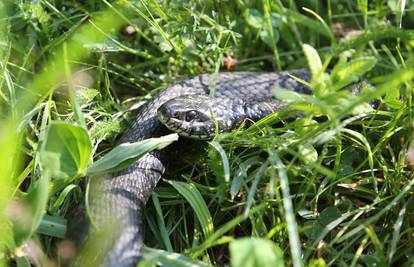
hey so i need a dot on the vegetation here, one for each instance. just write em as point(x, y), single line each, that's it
point(332, 192)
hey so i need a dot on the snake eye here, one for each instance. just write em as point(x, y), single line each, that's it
point(176, 115)
point(191, 115)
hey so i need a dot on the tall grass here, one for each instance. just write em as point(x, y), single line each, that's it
point(305, 191)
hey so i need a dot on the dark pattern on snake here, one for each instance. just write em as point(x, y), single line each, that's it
point(123, 195)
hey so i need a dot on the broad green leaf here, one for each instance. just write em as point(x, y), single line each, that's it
point(257, 21)
point(392, 98)
point(345, 74)
point(314, 61)
point(66, 151)
point(86, 95)
point(276, 19)
point(193, 196)
point(254, 18)
point(312, 229)
point(127, 153)
point(255, 252)
point(309, 153)
point(267, 38)
point(362, 109)
point(329, 215)
point(317, 263)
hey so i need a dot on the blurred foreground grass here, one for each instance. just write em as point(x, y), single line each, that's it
point(343, 186)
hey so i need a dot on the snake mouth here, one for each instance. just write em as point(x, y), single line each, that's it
point(183, 128)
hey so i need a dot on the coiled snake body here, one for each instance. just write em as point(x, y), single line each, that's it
point(122, 195)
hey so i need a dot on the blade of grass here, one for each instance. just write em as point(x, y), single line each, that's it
point(294, 241)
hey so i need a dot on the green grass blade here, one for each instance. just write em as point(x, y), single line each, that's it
point(193, 196)
point(224, 160)
point(159, 257)
point(294, 240)
point(52, 226)
point(160, 219)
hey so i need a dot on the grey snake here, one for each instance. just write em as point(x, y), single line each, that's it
point(236, 97)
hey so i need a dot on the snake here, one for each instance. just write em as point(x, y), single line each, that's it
point(199, 108)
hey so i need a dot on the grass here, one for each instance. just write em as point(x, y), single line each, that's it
point(329, 193)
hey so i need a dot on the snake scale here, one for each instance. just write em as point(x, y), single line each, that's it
point(123, 195)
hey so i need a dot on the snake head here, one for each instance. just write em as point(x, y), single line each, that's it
point(192, 116)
